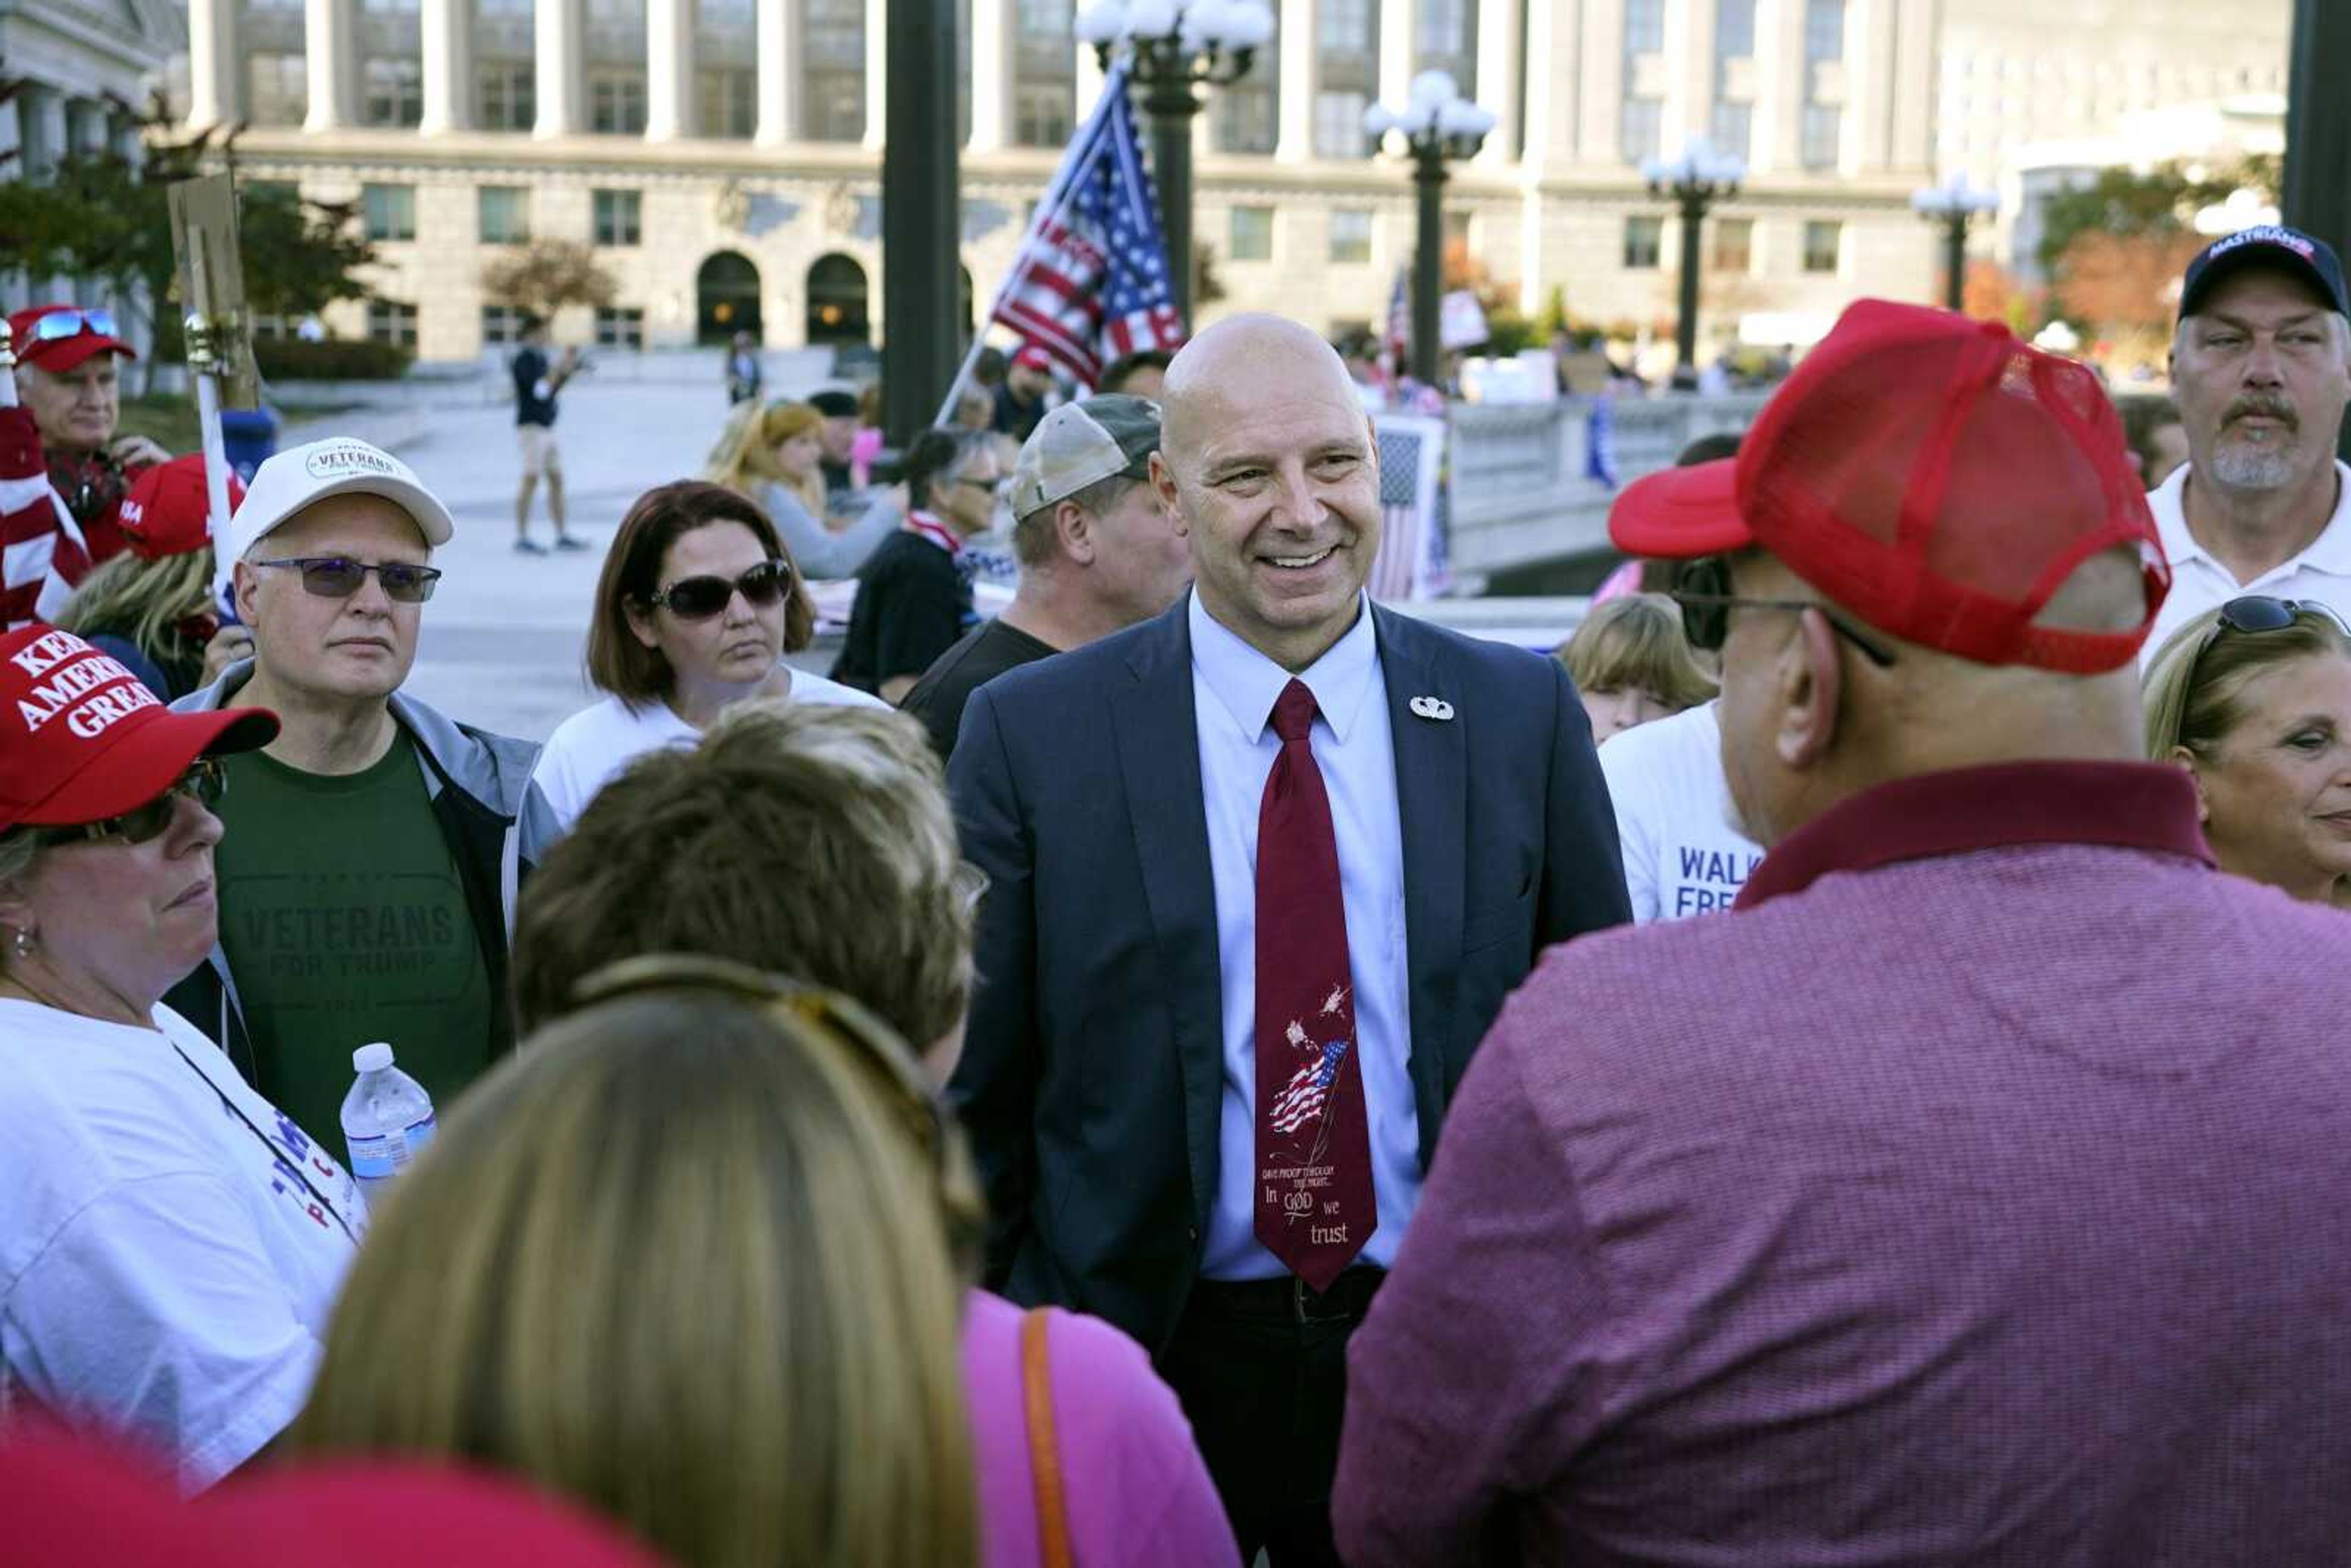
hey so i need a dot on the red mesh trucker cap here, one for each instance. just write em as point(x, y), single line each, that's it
point(168, 512)
point(1934, 475)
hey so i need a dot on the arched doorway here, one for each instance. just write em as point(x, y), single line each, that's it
point(726, 298)
point(836, 301)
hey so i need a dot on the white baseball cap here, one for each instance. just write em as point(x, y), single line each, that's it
point(338, 465)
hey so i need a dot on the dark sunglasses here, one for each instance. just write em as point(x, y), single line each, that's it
point(700, 598)
point(339, 577)
point(2259, 612)
point(1702, 589)
point(59, 324)
point(990, 485)
point(204, 782)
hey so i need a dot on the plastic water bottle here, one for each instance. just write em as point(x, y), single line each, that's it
point(387, 1119)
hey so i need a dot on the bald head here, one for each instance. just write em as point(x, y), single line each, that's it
point(1215, 375)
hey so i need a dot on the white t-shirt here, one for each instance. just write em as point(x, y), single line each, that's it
point(169, 1244)
point(2199, 582)
point(1682, 856)
point(596, 742)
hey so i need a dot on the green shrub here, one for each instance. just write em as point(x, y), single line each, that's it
point(335, 359)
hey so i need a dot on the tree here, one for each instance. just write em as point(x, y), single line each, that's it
point(547, 275)
point(1992, 293)
point(2114, 248)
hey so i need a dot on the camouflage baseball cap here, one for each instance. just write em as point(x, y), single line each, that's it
point(1081, 443)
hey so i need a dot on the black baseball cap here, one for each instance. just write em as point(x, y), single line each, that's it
point(2264, 245)
point(833, 403)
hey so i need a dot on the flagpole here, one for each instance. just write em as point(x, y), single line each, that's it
point(1057, 197)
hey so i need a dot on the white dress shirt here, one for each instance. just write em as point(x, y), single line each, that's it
point(1233, 691)
point(2199, 582)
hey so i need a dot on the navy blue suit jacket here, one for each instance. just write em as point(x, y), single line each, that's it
point(1091, 1072)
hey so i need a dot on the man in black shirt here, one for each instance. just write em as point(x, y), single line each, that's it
point(913, 593)
point(838, 434)
point(1098, 553)
point(1020, 401)
point(536, 382)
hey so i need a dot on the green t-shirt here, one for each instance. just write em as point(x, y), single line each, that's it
point(345, 921)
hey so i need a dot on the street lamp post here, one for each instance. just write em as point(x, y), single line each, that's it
point(1438, 124)
point(1173, 48)
point(1955, 203)
point(1696, 180)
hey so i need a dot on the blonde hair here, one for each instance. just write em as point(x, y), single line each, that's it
point(745, 456)
point(145, 601)
point(2194, 689)
point(1636, 643)
point(676, 1260)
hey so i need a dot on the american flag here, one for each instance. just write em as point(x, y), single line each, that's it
point(1398, 341)
point(1300, 1100)
point(1600, 464)
point(41, 552)
point(1090, 281)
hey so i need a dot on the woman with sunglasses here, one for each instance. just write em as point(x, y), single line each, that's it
point(169, 1242)
point(696, 606)
point(2255, 700)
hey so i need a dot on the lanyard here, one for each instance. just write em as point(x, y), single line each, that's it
point(931, 528)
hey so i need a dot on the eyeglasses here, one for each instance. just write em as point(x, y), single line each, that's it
point(339, 577)
point(204, 783)
point(700, 598)
point(990, 485)
point(1702, 589)
point(59, 324)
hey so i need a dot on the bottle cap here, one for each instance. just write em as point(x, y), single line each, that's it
point(372, 1058)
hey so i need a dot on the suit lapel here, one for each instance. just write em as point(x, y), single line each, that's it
point(1432, 807)
point(1159, 758)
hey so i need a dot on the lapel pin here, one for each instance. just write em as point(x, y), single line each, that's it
point(1432, 707)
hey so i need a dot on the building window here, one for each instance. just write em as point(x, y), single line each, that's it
point(1351, 235)
point(1734, 127)
point(504, 214)
point(1044, 74)
point(832, 88)
point(1822, 242)
point(276, 88)
point(1823, 30)
point(616, 102)
point(502, 326)
point(1734, 245)
point(389, 211)
point(395, 93)
point(619, 326)
point(1734, 29)
point(1339, 125)
point(618, 215)
point(1446, 38)
point(1347, 26)
point(1043, 113)
point(728, 99)
point(1252, 234)
point(389, 321)
point(1645, 239)
point(1643, 129)
point(1645, 26)
point(506, 95)
point(1823, 134)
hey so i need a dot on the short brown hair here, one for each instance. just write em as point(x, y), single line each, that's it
point(809, 840)
point(1636, 643)
point(617, 662)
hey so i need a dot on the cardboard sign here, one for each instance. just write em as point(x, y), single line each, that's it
point(212, 278)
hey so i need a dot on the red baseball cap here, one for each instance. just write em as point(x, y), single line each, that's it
point(82, 738)
point(64, 353)
point(167, 512)
point(1936, 477)
point(1032, 358)
point(72, 1503)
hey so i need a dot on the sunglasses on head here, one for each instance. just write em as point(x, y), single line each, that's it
point(700, 598)
point(59, 324)
point(204, 782)
point(339, 577)
point(2259, 612)
point(1702, 589)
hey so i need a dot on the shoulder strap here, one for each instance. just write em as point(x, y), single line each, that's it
point(1044, 1450)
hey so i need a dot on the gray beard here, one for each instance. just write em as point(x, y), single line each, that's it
point(2243, 468)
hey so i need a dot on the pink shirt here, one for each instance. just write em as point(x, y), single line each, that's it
point(1138, 1494)
point(1973, 1193)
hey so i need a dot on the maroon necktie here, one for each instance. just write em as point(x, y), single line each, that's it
point(1314, 1205)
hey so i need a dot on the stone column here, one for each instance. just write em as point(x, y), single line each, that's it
point(558, 36)
point(1301, 81)
point(1689, 72)
point(1600, 113)
point(777, 48)
point(1554, 62)
point(1498, 77)
point(1398, 51)
point(669, 69)
point(1782, 85)
point(1089, 81)
point(991, 72)
point(213, 96)
point(41, 126)
point(328, 41)
point(877, 77)
point(1912, 139)
point(446, 31)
